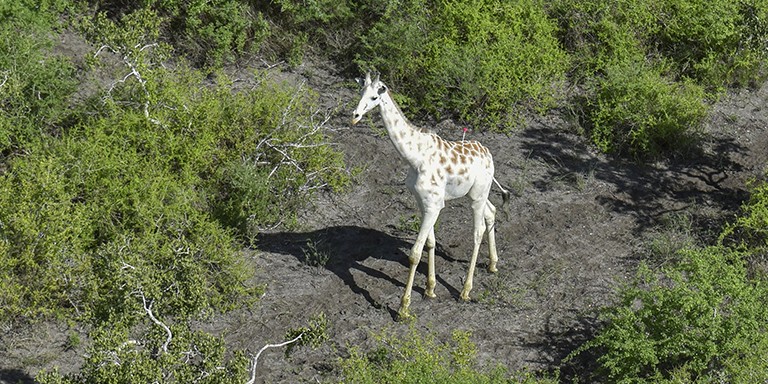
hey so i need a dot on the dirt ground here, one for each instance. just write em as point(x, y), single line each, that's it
point(578, 225)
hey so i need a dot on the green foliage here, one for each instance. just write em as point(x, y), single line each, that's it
point(648, 65)
point(706, 40)
point(34, 83)
point(472, 58)
point(214, 32)
point(637, 110)
point(191, 356)
point(599, 34)
point(751, 228)
point(313, 13)
point(419, 358)
point(701, 319)
point(314, 334)
point(140, 196)
point(208, 33)
point(90, 219)
point(716, 43)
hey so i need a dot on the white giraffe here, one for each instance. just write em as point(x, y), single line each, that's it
point(439, 170)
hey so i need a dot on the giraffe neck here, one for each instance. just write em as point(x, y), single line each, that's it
point(408, 140)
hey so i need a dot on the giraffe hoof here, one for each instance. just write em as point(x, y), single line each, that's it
point(430, 295)
point(492, 269)
point(464, 297)
point(404, 316)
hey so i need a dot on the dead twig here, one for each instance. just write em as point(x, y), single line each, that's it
point(264, 348)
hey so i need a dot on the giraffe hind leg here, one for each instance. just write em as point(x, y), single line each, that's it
point(431, 280)
point(478, 208)
point(490, 223)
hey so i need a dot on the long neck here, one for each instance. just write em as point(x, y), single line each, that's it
point(408, 140)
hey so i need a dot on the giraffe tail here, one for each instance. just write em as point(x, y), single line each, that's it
point(505, 196)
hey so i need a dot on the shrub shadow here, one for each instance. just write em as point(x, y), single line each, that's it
point(645, 191)
point(557, 347)
point(15, 376)
point(347, 247)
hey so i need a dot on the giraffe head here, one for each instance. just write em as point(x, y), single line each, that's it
point(370, 96)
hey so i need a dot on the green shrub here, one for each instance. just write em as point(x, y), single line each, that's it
point(140, 197)
point(751, 228)
point(191, 357)
point(96, 216)
point(214, 32)
point(208, 33)
point(636, 110)
point(476, 59)
point(715, 43)
point(599, 34)
point(718, 43)
point(35, 84)
point(419, 358)
point(699, 321)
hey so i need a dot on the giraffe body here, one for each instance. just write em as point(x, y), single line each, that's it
point(439, 170)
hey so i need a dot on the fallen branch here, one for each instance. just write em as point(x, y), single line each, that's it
point(264, 348)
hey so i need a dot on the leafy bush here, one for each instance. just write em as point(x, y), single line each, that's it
point(419, 358)
point(751, 228)
point(650, 66)
point(35, 84)
point(636, 110)
point(473, 58)
point(136, 199)
point(599, 34)
point(701, 320)
point(715, 42)
point(208, 33)
point(189, 357)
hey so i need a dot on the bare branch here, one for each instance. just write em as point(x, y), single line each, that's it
point(5, 78)
point(148, 309)
point(256, 358)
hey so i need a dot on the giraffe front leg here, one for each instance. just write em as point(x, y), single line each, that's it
point(427, 226)
point(405, 302)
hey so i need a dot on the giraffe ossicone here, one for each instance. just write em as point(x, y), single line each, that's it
point(439, 170)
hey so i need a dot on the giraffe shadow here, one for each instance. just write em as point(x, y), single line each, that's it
point(347, 248)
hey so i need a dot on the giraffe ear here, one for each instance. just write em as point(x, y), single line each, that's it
point(367, 78)
point(360, 82)
point(382, 89)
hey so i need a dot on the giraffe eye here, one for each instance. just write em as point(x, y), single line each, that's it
point(374, 97)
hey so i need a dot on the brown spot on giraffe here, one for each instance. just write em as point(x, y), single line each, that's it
point(449, 169)
point(439, 143)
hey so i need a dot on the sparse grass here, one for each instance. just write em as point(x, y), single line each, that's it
point(409, 223)
point(420, 358)
point(500, 289)
point(314, 255)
